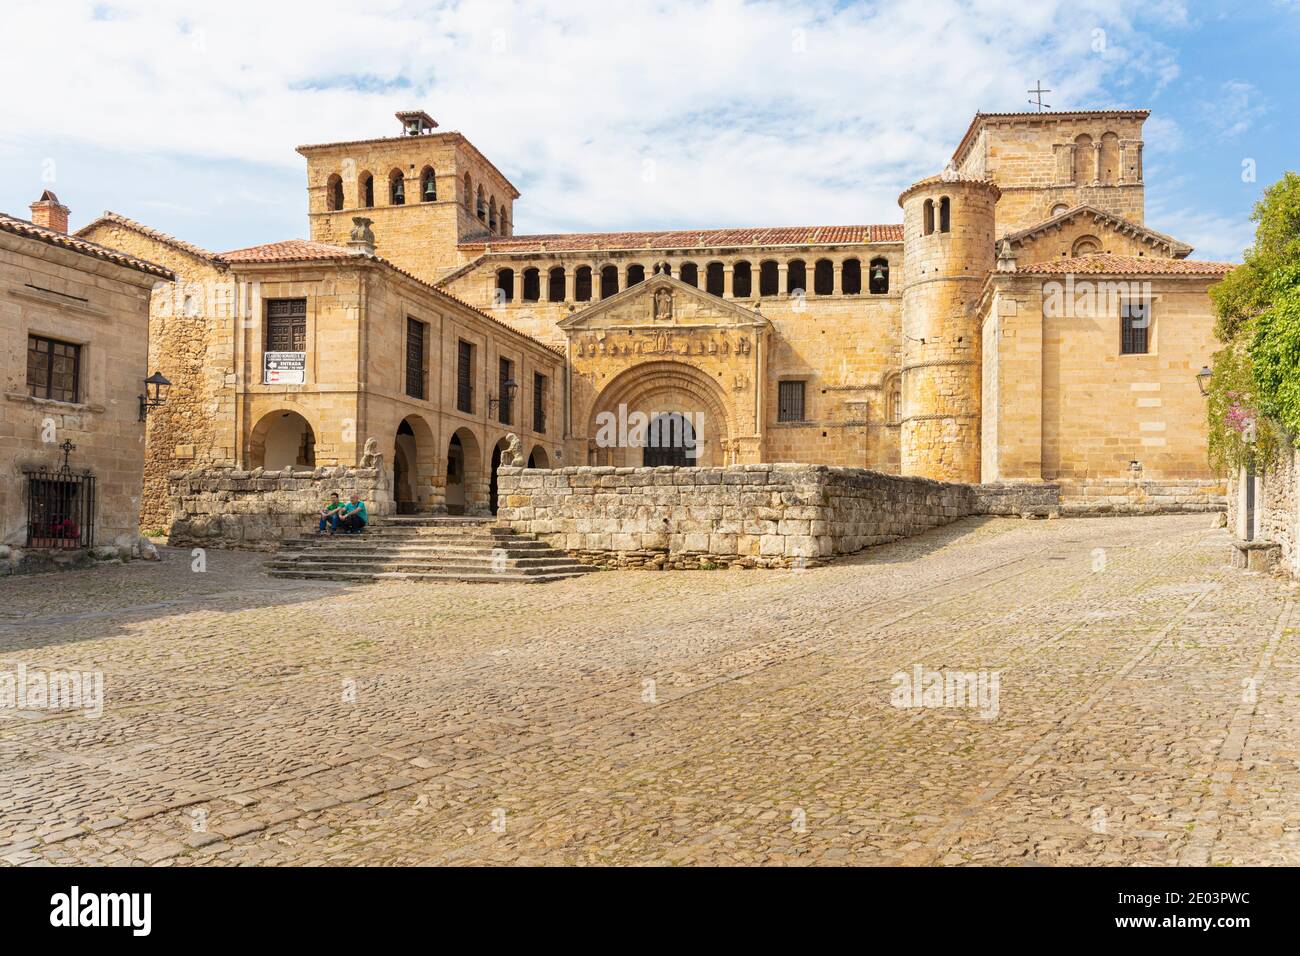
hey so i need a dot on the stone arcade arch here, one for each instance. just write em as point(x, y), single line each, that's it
point(465, 489)
point(282, 438)
point(414, 464)
point(538, 458)
point(660, 387)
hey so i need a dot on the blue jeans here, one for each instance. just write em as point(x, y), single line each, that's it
point(331, 519)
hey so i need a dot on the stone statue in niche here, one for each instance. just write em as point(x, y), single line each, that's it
point(663, 305)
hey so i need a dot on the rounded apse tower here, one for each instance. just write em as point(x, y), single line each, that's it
point(948, 252)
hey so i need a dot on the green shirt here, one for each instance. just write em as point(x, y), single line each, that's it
point(333, 505)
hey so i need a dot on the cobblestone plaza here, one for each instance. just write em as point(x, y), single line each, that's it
point(1145, 714)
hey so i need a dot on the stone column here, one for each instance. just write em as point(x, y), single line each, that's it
point(836, 266)
point(727, 278)
point(570, 283)
point(782, 278)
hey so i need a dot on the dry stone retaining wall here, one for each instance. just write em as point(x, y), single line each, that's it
point(735, 516)
point(222, 507)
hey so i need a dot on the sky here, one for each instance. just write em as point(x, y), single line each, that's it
point(639, 114)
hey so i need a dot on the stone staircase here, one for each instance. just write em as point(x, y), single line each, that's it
point(424, 548)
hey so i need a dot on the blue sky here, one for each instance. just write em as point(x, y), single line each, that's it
point(664, 114)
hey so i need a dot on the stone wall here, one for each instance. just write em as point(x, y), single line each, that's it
point(773, 515)
point(1271, 544)
point(220, 507)
point(1128, 496)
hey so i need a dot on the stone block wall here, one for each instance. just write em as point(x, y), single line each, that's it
point(221, 507)
point(1272, 544)
point(1121, 496)
point(765, 515)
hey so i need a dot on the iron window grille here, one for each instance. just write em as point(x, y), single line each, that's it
point(465, 377)
point(790, 402)
point(539, 403)
point(60, 506)
point(415, 358)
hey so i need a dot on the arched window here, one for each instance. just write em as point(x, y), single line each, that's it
point(1108, 160)
point(396, 188)
point(505, 225)
point(334, 193)
point(469, 195)
point(713, 279)
point(1059, 208)
point(824, 277)
point(635, 274)
point(742, 280)
point(428, 185)
point(505, 285)
point(480, 207)
point(878, 276)
point(608, 281)
point(532, 286)
point(555, 285)
point(492, 214)
point(769, 278)
point(582, 284)
point(945, 214)
point(893, 399)
point(796, 277)
point(663, 268)
point(689, 273)
point(1085, 168)
point(851, 277)
point(928, 213)
point(1086, 246)
point(366, 187)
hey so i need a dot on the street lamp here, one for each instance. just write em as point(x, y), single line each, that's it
point(508, 389)
point(155, 393)
point(1203, 379)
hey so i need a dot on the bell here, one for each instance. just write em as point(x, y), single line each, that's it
point(878, 273)
point(430, 191)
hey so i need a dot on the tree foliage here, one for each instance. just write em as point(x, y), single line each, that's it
point(1255, 389)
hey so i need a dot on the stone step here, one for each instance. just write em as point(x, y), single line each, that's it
point(363, 544)
point(444, 560)
point(431, 577)
point(418, 567)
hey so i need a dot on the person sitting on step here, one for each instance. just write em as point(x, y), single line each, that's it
point(354, 515)
point(330, 514)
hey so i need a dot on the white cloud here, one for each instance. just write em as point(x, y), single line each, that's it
point(1235, 108)
point(751, 113)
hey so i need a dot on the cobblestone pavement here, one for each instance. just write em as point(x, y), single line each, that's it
point(1147, 711)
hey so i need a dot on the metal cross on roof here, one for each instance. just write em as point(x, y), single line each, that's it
point(1038, 92)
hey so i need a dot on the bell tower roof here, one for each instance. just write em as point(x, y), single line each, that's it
point(416, 122)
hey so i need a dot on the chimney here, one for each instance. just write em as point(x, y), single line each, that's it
point(50, 213)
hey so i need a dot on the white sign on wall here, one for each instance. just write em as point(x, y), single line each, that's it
point(284, 368)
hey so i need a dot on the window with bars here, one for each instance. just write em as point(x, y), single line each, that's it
point(790, 402)
point(505, 373)
point(286, 325)
point(539, 403)
point(464, 376)
point(1135, 327)
point(53, 369)
point(415, 358)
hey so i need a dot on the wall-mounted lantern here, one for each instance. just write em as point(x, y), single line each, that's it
point(508, 389)
point(1203, 379)
point(155, 393)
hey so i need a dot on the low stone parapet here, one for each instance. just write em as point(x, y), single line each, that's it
point(774, 515)
point(222, 507)
point(1128, 496)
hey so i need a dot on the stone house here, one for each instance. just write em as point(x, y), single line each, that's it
point(74, 316)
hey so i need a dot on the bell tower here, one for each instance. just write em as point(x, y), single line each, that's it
point(948, 224)
point(424, 191)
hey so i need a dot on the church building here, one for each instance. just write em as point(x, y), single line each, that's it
point(1019, 323)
